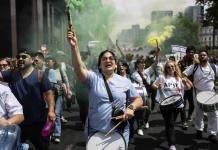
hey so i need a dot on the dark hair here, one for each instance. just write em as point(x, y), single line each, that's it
point(40, 55)
point(203, 50)
point(50, 58)
point(124, 63)
point(54, 60)
point(25, 51)
point(190, 48)
point(138, 61)
point(100, 56)
point(172, 58)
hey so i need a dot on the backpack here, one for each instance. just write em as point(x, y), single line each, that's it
point(212, 65)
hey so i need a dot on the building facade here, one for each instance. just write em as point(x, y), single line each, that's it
point(132, 37)
point(206, 37)
point(157, 15)
point(195, 13)
point(31, 23)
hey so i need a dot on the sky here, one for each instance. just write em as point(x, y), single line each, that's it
point(130, 12)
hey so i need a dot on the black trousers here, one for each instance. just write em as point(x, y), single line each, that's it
point(188, 96)
point(33, 134)
point(170, 116)
point(153, 101)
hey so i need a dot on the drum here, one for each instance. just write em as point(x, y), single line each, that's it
point(114, 141)
point(207, 101)
point(171, 102)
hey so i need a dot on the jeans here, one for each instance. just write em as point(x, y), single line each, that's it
point(59, 113)
point(10, 138)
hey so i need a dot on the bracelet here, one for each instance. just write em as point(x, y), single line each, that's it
point(131, 107)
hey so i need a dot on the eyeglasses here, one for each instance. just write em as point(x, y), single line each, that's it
point(170, 67)
point(21, 56)
point(3, 65)
point(111, 58)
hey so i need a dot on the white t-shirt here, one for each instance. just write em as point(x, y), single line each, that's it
point(169, 86)
point(203, 77)
point(146, 73)
point(9, 105)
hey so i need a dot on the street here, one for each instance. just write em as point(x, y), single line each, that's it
point(154, 138)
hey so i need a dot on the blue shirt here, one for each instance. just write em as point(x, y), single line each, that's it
point(100, 107)
point(52, 75)
point(28, 92)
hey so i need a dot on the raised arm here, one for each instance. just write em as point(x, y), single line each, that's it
point(157, 58)
point(79, 66)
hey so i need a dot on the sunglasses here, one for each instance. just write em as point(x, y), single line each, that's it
point(21, 56)
point(170, 67)
point(3, 65)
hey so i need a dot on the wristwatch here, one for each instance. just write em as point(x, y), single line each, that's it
point(131, 107)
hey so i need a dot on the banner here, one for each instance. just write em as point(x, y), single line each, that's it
point(178, 48)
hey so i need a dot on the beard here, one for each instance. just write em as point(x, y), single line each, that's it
point(203, 61)
point(23, 65)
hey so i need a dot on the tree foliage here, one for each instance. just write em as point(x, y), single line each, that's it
point(211, 14)
point(185, 32)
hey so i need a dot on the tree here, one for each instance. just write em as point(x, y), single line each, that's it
point(211, 15)
point(186, 33)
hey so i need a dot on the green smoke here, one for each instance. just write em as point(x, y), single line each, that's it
point(91, 21)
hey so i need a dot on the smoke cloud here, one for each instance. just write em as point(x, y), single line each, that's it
point(130, 12)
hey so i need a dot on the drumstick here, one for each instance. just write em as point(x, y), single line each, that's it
point(210, 97)
point(144, 107)
point(117, 117)
point(114, 128)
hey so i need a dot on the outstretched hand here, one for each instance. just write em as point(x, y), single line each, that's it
point(72, 39)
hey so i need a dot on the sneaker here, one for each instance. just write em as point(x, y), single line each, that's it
point(184, 126)
point(199, 134)
point(212, 138)
point(63, 120)
point(146, 125)
point(189, 119)
point(57, 140)
point(172, 147)
point(140, 132)
point(23, 146)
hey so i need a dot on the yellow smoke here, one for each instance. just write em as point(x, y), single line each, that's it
point(160, 37)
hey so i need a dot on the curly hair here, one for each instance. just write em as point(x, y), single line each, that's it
point(177, 72)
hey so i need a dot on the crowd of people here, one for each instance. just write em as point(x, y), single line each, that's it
point(169, 84)
point(34, 89)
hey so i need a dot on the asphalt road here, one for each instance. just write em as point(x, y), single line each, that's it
point(154, 138)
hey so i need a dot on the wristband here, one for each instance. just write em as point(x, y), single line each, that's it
point(131, 107)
